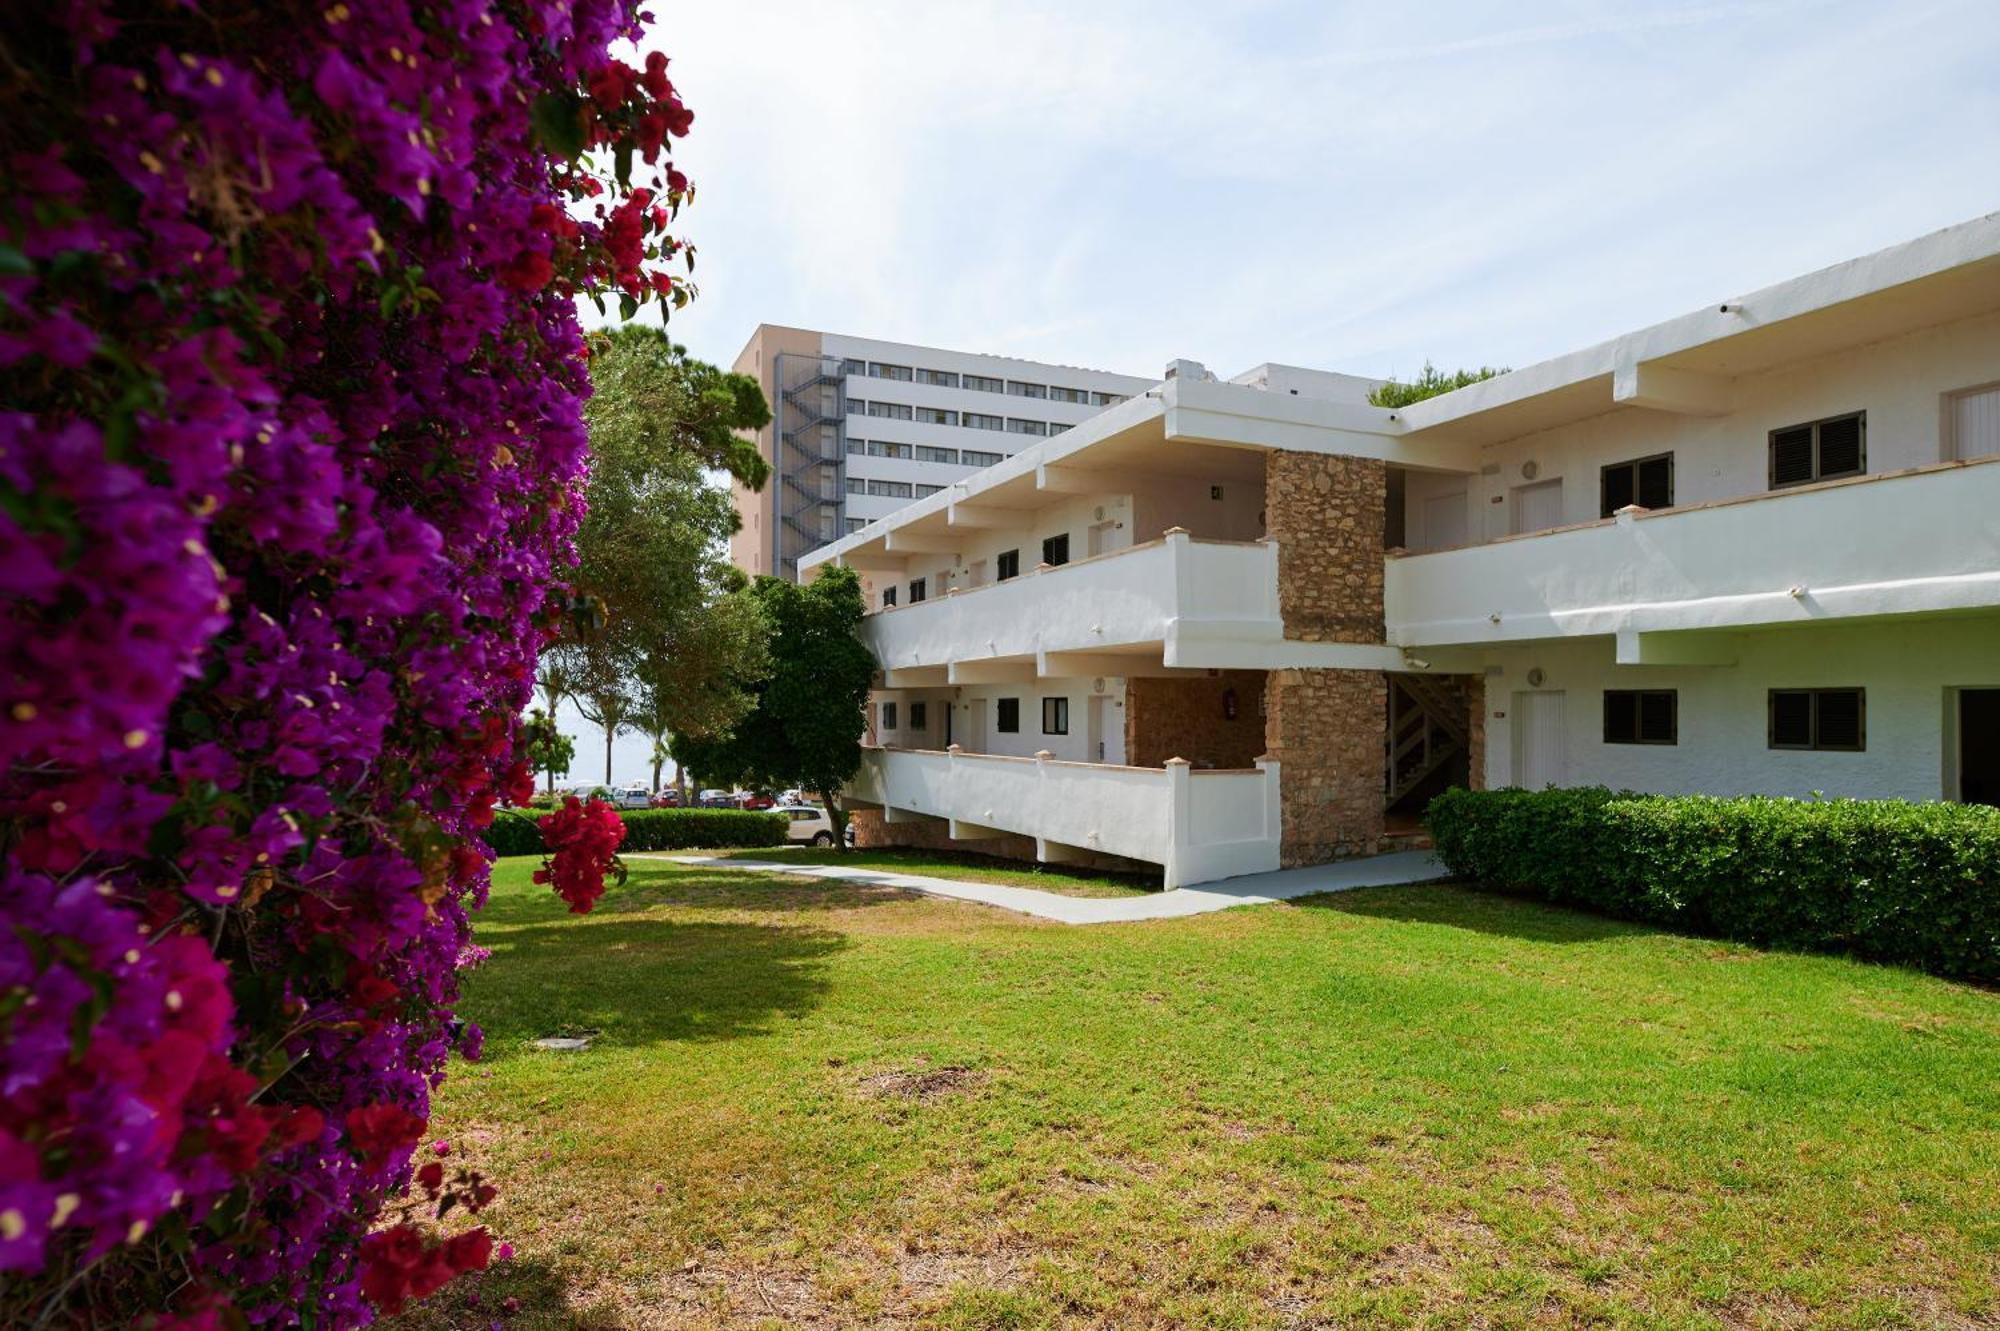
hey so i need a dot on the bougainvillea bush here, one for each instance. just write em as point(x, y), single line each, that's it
point(291, 452)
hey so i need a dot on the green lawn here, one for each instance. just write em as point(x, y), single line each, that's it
point(823, 1106)
point(961, 864)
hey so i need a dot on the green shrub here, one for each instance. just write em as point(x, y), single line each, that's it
point(1915, 884)
point(515, 831)
point(1433, 382)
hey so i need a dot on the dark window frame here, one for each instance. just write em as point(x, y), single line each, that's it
point(888, 598)
point(1055, 545)
point(918, 590)
point(1860, 418)
point(1604, 508)
point(1814, 744)
point(1055, 709)
point(919, 716)
point(888, 716)
point(1637, 732)
point(1007, 565)
point(1007, 716)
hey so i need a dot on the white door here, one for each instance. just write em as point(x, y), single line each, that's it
point(1107, 730)
point(975, 727)
point(1106, 537)
point(1975, 423)
point(1540, 748)
point(977, 577)
point(1444, 521)
point(1538, 507)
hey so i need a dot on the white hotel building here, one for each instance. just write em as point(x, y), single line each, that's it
point(1226, 626)
point(860, 427)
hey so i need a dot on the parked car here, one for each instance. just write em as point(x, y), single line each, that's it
point(589, 793)
point(634, 797)
point(667, 799)
point(757, 799)
point(717, 799)
point(806, 825)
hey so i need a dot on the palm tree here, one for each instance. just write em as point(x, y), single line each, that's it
point(610, 709)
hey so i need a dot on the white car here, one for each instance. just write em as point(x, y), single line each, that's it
point(633, 797)
point(806, 824)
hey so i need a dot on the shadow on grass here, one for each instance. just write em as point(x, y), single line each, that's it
point(636, 980)
point(1457, 907)
point(522, 1294)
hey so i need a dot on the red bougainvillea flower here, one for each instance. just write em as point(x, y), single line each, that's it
point(380, 1132)
point(583, 840)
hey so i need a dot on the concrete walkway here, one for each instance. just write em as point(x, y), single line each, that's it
point(1257, 889)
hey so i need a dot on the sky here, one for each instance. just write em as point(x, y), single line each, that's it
point(1349, 186)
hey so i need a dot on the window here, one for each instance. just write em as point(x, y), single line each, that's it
point(977, 457)
point(856, 407)
point(1008, 565)
point(888, 716)
point(1819, 719)
point(1972, 423)
point(979, 420)
point(983, 384)
point(1037, 428)
point(916, 590)
point(1647, 482)
point(924, 491)
point(1641, 716)
point(888, 597)
point(937, 416)
point(895, 411)
point(1055, 550)
point(1106, 399)
point(919, 715)
point(878, 448)
point(877, 370)
point(855, 524)
point(1007, 716)
point(1027, 390)
point(1819, 450)
point(856, 485)
point(829, 522)
point(856, 446)
point(889, 489)
point(1081, 395)
point(927, 453)
point(942, 378)
point(1055, 716)
point(854, 365)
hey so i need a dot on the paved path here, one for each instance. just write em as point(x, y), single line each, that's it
point(1410, 866)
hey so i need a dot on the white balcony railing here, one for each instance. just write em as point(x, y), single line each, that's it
point(1908, 542)
point(1167, 590)
point(1198, 826)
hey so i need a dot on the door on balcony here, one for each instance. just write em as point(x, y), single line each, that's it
point(1105, 537)
point(1107, 731)
point(1979, 746)
point(1540, 749)
point(975, 727)
point(1537, 507)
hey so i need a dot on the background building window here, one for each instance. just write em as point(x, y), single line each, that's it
point(1008, 565)
point(857, 485)
point(1040, 429)
point(889, 489)
point(925, 491)
point(919, 716)
point(1007, 716)
point(1106, 399)
point(877, 370)
point(984, 384)
point(928, 453)
point(894, 411)
point(854, 365)
point(1027, 390)
point(975, 457)
point(1055, 550)
point(1055, 716)
point(937, 416)
point(1641, 716)
point(888, 597)
point(942, 378)
point(979, 420)
point(1833, 719)
point(916, 590)
point(857, 407)
point(888, 716)
point(1647, 482)
point(1820, 450)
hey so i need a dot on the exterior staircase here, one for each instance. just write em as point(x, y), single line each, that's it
point(1426, 730)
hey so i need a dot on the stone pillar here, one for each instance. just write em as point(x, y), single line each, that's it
point(1325, 727)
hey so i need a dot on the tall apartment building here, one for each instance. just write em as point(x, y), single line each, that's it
point(861, 427)
point(1226, 627)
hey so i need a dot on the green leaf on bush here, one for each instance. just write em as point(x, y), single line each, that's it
point(558, 124)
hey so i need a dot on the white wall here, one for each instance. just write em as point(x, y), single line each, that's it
point(1723, 745)
point(1899, 383)
point(1073, 747)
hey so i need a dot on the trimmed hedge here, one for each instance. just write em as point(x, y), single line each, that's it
point(514, 831)
point(1886, 880)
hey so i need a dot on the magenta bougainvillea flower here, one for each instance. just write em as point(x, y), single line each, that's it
point(291, 456)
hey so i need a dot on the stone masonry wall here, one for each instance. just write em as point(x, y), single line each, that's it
point(1327, 514)
point(1325, 727)
point(1184, 718)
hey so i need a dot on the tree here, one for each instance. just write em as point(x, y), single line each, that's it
point(806, 725)
point(545, 746)
point(663, 633)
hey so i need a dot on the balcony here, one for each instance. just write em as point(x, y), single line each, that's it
point(1920, 541)
point(1198, 826)
point(1178, 592)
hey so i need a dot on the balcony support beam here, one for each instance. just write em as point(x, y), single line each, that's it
point(990, 672)
point(964, 831)
point(892, 814)
point(917, 543)
point(1678, 649)
point(1056, 479)
point(1682, 392)
point(1059, 852)
point(1086, 665)
point(983, 516)
point(916, 677)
